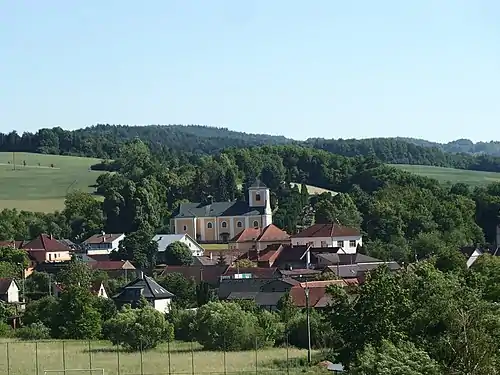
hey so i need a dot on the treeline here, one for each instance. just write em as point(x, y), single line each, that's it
point(104, 141)
point(460, 146)
point(403, 216)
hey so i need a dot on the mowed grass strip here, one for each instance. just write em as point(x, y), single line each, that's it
point(452, 175)
point(37, 186)
point(23, 357)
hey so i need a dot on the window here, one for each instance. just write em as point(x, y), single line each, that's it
point(255, 224)
point(352, 243)
point(340, 243)
point(185, 227)
point(257, 197)
point(209, 225)
point(50, 256)
point(224, 224)
point(239, 224)
point(323, 244)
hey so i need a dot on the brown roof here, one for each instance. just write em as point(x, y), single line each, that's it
point(257, 272)
point(14, 244)
point(5, 284)
point(209, 274)
point(318, 297)
point(100, 238)
point(327, 230)
point(273, 233)
point(47, 243)
point(111, 265)
point(38, 254)
point(246, 235)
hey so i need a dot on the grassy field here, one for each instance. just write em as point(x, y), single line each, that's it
point(22, 359)
point(451, 175)
point(37, 186)
point(314, 190)
point(215, 246)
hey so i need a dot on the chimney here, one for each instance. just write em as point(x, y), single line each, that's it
point(211, 256)
point(51, 237)
point(140, 274)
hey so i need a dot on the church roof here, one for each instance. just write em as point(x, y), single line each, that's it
point(235, 208)
point(258, 184)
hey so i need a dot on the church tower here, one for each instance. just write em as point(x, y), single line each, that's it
point(259, 198)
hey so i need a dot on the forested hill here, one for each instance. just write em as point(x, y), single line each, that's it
point(458, 146)
point(104, 141)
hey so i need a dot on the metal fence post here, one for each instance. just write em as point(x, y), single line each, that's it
point(118, 359)
point(192, 358)
point(36, 357)
point(224, 354)
point(8, 358)
point(287, 354)
point(142, 362)
point(64, 357)
point(256, 357)
point(169, 361)
point(90, 358)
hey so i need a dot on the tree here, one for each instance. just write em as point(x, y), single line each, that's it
point(389, 359)
point(84, 214)
point(185, 289)
point(339, 209)
point(138, 329)
point(138, 247)
point(203, 293)
point(221, 260)
point(179, 254)
point(245, 263)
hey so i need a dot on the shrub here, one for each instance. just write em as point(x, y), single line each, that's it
point(34, 331)
point(226, 326)
point(271, 329)
point(321, 333)
point(5, 330)
point(137, 329)
point(184, 324)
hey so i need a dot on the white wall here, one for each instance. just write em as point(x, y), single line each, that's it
point(330, 242)
point(13, 293)
point(104, 248)
point(476, 254)
point(197, 250)
point(162, 305)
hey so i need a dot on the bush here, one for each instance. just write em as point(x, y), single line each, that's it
point(321, 333)
point(226, 326)
point(34, 331)
point(184, 324)
point(5, 330)
point(137, 329)
point(271, 329)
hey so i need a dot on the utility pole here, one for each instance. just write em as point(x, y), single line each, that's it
point(308, 317)
point(14, 160)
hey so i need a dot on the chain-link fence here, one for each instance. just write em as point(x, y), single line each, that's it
point(172, 358)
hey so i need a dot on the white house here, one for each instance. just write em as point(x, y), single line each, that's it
point(329, 235)
point(103, 243)
point(9, 290)
point(146, 287)
point(166, 239)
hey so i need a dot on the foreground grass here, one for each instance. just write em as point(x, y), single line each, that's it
point(452, 175)
point(40, 187)
point(184, 358)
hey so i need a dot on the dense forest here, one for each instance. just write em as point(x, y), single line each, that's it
point(459, 146)
point(104, 141)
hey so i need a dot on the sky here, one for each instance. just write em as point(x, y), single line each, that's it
point(333, 69)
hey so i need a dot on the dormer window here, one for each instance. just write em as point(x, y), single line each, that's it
point(257, 197)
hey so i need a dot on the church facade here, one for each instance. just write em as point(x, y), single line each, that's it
point(221, 221)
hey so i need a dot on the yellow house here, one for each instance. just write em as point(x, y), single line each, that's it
point(221, 221)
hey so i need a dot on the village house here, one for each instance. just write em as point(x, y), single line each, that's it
point(103, 243)
point(46, 249)
point(9, 290)
point(98, 289)
point(221, 221)
point(318, 292)
point(146, 287)
point(329, 235)
point(164, 240)
point(258, 238)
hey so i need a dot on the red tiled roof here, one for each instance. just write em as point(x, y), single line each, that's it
point(273, 233)
point(317, 292)
point(47, 243)
point(111, 265)
point(247, 234)
point(100, 238)
point(270, 253)
point(327, 230)
point(38, 255)
point(5, 284)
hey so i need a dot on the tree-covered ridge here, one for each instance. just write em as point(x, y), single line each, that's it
point(104, 141)
point(459, 146)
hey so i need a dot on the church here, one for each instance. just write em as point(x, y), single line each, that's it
point(221, 221)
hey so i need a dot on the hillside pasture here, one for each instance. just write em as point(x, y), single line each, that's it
point(40, 182)
point(451, 175)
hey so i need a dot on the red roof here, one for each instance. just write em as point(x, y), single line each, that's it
point(327, 230)
point(14, 244)
point(38, 255)
point(111, 265)
point(270, 253)
point(47, 243)
point(247, 234)
point(273, 233)
point(317, 292)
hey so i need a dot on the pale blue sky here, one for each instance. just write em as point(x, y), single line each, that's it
point(419, 68)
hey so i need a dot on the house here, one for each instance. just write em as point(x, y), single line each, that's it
point(210, 274)
point(221, 221)
point(329, 235)
point(258, 238)
point(45, 248)
point(103, 243)
point(318, 295)
point(164, 240)
point(9, 290)
point(146, 287)
point(249, 273)
point(114, 268)
point(98, 289)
